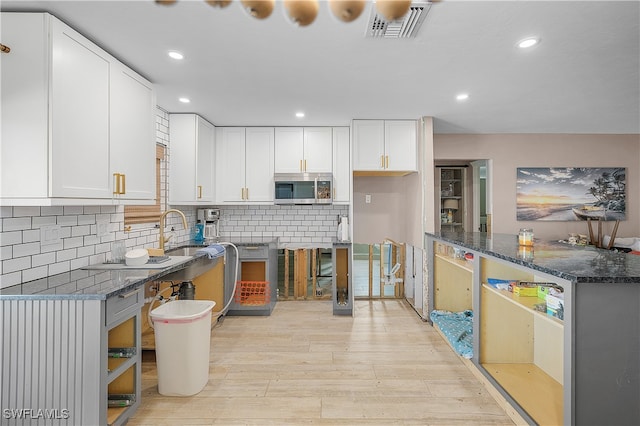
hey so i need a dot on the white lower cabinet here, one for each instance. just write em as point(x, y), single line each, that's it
point(244, 165)
point(191, 168)
point(62, 138)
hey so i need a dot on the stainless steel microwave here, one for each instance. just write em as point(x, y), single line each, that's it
point(303, 188)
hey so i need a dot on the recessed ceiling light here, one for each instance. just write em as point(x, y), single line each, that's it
point(175, 55)
point(299, 114)
point(462, 96)
point(184, 100)
point(528, 42)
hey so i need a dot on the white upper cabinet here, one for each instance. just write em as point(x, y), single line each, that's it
point(385, 145)
point(191, 165)
point(132, 139)
point(63, 139)
point(299, 149)
point(341, 166)
point(244, 168)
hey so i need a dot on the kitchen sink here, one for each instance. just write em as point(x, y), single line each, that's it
point(193, 269)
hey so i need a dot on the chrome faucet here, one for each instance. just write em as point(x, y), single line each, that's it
point(162, 221)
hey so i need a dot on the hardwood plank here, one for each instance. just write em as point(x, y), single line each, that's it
point(302, 365)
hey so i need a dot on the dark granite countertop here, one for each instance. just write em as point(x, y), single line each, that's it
point(91, 284)
point(585, 264)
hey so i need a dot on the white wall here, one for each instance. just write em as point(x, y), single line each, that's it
point(510, 151)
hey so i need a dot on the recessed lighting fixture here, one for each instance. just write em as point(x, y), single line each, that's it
point(300, 114)
point(175, 55)
point(184, 100)
point(528, 42)
point(462, 97)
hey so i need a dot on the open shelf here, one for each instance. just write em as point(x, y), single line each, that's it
point(527, 302)
point(535, 391)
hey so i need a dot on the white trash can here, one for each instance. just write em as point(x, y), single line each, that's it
point(183, 335)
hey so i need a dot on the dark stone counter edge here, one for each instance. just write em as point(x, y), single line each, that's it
point(125, 288)
point(555, 272)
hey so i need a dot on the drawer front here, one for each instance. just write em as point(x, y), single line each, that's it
point(253, 252)
point(122, 306)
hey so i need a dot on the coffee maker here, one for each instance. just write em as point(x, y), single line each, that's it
point(210, 218)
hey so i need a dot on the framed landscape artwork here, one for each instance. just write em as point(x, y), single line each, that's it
point(571, 193)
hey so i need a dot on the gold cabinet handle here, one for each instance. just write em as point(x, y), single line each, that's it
point(116, 183)
point(242, 196)
point(300, 167)
point(386, 164)
point(305, 166)
point(119, 183)
point(247, 194)
point(382, 161)
point(199, 191)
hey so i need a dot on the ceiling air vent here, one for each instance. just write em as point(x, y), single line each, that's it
point(406, 27)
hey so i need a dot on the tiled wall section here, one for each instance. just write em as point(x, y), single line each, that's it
point(292, 224)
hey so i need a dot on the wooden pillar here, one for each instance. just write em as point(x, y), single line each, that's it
point(286, 274)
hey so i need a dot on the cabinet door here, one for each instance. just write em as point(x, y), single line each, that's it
point(24, 153)
point(132, 139)
point(400, 145)
point(80, 117)
point(368, 145)
point(259, 164)
point(317, 150)
point(205, 161)
point(289, 150)
point(182, 153)
point(230, 166)
point(341, 165)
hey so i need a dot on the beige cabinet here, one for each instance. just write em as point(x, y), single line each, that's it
point(191, 165)
point(385, 146)
point(244, 168)
point(303, 149)
point(62, 138)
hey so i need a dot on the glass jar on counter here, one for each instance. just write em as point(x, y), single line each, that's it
point(525, 237)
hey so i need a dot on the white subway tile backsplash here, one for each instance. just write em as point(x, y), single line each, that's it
point(28, 249)
point(43, 259)
point(51, 211)
point(67, 220)
point(63, 255)
point(10, 238)
point(6, 211)
point(20, 211)
point(16, 224)
point(73, 210)
point(58, 268)
point(35, 273)
point(9, 279)
point(40, 221)
point(16, 264)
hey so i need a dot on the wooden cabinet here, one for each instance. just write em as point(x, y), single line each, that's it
point(191, 173)
point(388, 146)
point(64, 137)
point(244, 168)
point(452, 198)
point(341, 166)
point(299, 149)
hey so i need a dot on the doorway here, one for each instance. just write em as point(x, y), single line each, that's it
point(378, 270)
point(463, 195)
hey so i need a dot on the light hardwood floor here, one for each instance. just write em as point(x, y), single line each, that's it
point(302, 365)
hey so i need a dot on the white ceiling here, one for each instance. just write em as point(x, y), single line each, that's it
point(582, 78)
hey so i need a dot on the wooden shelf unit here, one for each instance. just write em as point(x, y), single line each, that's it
point(520, 350)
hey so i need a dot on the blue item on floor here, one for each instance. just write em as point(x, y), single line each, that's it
point(212, 251)
point(457, 328)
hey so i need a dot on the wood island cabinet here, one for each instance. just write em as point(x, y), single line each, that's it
point(549, 368)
